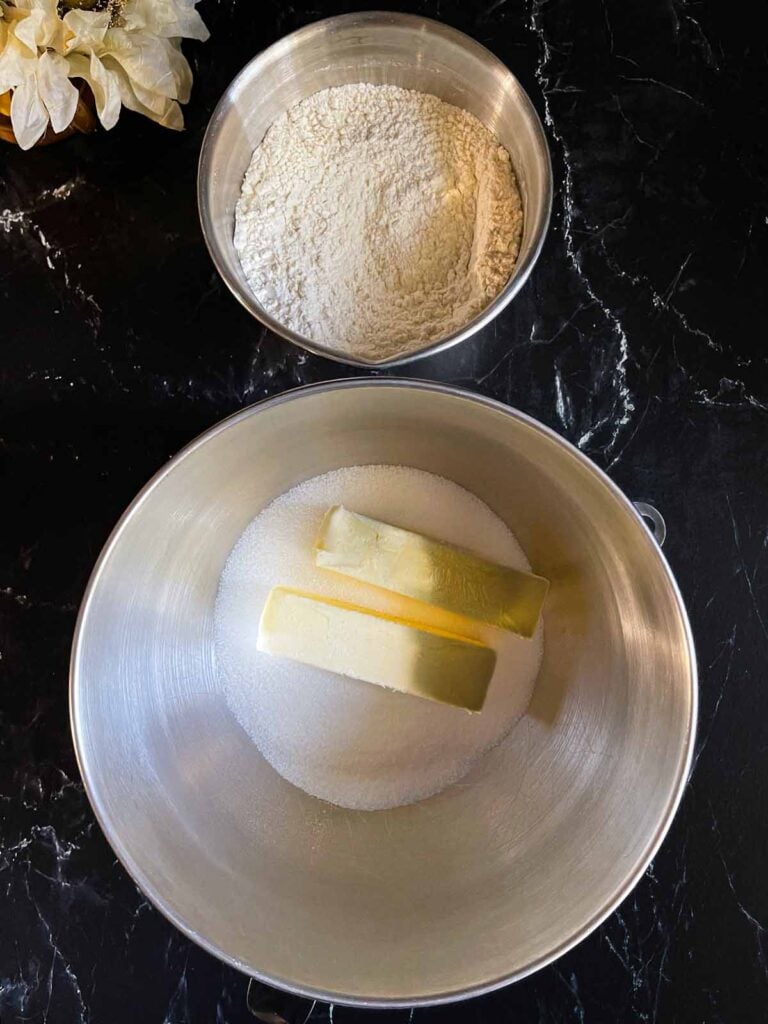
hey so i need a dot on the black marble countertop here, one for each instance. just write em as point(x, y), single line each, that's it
point(640, 337)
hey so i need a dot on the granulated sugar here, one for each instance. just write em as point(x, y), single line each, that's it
point(345, 741)
point(375, 219)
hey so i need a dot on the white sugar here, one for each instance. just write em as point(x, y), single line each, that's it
point(346, 741)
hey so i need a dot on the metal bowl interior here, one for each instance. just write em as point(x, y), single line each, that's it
point(453, 896)
point(397, 49)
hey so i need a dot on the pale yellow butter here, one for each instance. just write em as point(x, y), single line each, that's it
point(430, 571)
point(376, 648)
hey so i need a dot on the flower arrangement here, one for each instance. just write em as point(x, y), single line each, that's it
point(58, 57)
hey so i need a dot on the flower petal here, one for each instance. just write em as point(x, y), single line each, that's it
point(30, 29)
point(56, 91)
point(105, 83)
point(47, 7)
point(182, 72)
point(28, 115)
point(145, 59)
point(144, 101)
point(88, 29)
point(167, 18)
point(15, 65)
point(42, 27)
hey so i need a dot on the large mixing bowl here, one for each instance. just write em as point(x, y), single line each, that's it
point(449, 897)
point(393, 49)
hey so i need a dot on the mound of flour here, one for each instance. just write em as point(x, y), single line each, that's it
point(345, 741)
point(375, 219)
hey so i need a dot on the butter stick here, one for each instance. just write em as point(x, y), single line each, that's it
point(376, 648)
point(430, 571)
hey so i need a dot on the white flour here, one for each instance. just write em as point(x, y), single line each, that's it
point(375, 219)
point(345, 741)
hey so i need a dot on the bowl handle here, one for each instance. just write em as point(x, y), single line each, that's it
point(657, 527)
point(271, 1006)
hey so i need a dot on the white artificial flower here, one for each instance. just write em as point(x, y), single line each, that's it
point(129, 54)
point(20, 66)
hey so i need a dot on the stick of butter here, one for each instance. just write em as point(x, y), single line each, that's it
point(430, 571)
point(376, 648)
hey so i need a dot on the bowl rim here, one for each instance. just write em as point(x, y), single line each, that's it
point(522, 268)
point(685, 758)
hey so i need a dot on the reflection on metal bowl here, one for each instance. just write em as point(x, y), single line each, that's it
point(478, 886)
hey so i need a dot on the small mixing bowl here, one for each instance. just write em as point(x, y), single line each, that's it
point(394, 49)
point(447, 898)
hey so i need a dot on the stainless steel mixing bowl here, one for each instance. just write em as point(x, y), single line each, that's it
point(396, 49)
point(456, 895)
